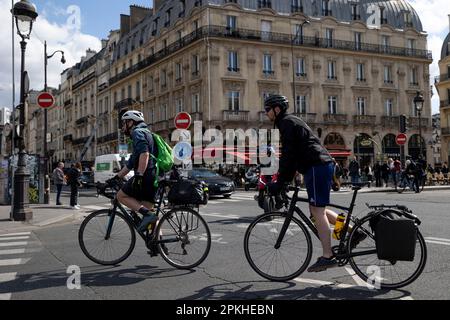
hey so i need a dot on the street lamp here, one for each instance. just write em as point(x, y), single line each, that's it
point(25, 14)
point(418, 103)
point(300, 29)
point(47, 177)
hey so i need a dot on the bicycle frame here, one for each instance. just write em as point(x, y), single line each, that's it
point(342, 254)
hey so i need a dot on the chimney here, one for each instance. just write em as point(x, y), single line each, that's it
point(124, 24)
point(137, 14)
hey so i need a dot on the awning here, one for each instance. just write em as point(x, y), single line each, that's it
point(340, 154)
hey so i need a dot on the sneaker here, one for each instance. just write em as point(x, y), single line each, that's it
point(323, 264)
point(358, 238)
point(146, 220)
point(77, 207)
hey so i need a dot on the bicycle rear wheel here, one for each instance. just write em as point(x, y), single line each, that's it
point(285, 263)
point(381, 273)
point(105, 250)
point(186, 239)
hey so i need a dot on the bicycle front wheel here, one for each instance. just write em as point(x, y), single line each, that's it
point(102, 248)
point(285, 263)
point(384, 274)
point(185, 239)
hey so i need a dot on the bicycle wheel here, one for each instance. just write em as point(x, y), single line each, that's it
point(386, 274)
point(285, 263)
point(186, 239)
point(402, 186)
point(102, 250)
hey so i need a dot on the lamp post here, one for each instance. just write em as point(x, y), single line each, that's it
point(418, 103)
point(25, 14)
point(300, 29)
point(46, 156)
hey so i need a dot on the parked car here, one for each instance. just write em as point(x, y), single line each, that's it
point(217, 184)
point(87, 179)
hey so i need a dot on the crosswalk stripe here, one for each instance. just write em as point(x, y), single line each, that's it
point(357, 279)
point(437, 239)
point(13, 262)
point(5, 296)
point(324, 283)
point(13, 244)
point(5, 277)
point(12, 251)
point(215, 202)
point(14, 238)
point(15, 234)
point(94, 208)
point(218, 215)
point(438, 242)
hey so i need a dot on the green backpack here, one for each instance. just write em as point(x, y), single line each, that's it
point(164, 160)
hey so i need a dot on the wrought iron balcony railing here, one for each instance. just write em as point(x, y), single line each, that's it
point(390, 121)
point(364, 120)
point(335, 119)
point(235, 115)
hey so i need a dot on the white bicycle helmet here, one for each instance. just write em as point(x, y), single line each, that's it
point(133, 115)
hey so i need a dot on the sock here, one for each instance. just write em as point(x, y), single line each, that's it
point(144, 211)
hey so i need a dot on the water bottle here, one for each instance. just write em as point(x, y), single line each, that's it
point(340, 221)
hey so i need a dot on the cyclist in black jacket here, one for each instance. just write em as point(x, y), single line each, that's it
point(302, 151)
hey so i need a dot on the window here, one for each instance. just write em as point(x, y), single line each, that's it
point(233, 61)
point(150, 84)
point(332, 70)
point(360, 74)
point(361, 106)
point(413, 76)
point(407, 19)
point(267, 64)
point(178, 71)
point(167, 23)
point(233, 100)
point(129, 92)
point(383, 20)
point(355, 12)
point(389, 107)
point(179, 106)
point(300, 105)
point(195, 64)
point(388, 74)
point(195, 25)
point(297, 6)
point(163, 78)
point(163, 112)
point(385, 41)
point(298, 34)
point(152, 116)
point(301, 68)
point(266, 29)
point(326, 8)
point(264, 4)
point(332, 105)
point(329, 37)
point(179, 35)
point(231, 23)
point(138, 90)
point(358, 40)
point(411, 43)
point(195, 103)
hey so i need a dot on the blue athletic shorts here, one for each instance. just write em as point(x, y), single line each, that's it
point(318, 180)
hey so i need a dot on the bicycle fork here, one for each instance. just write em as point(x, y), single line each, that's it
point(112, 216)
point(286, 223)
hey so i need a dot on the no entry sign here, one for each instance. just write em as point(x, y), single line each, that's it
point(401, 139)
point(183, 121)
point(45, 100)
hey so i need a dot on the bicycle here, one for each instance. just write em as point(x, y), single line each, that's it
point(181, 236)
point(407, 180)
point(280, 248)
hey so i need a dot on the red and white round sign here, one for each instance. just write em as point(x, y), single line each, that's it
point(183, 121)
point(45, 100)
point(401, 139)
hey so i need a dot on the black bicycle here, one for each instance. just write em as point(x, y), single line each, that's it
point(278, 245)
point(181, 236)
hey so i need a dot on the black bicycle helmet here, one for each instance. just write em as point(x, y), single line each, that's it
point(277, 100)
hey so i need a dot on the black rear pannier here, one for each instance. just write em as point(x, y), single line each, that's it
point(395, 237)
point(188, 192)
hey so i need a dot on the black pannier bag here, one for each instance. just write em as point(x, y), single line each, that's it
point(187, 192)
point(395, 237)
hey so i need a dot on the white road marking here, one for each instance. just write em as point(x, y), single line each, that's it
point(437, 239)
point(357, 279)
point(215, 202)
point(218, 215)
point(12, 251)
point(13, 262)
point(95, 208)
point(13, 244)
point(14, 238)
point(324, 283)
point(438, 242)
point(15, 234)
point(5, 296)
point(5, 277)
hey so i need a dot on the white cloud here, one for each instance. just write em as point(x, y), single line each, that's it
point(58, 36)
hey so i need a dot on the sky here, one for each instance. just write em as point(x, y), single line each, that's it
point(76, 25)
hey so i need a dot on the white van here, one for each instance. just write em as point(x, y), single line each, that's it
point(107, 166)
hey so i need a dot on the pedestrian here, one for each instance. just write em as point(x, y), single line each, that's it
point(75, 183)
point(385, 174)
point(397, 171)
point(59, 180)
point(354, 172)
point(377, 174)
point(445, 172)
point(369, 175)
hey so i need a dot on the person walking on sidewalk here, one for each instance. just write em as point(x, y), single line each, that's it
point(59, 180)
point(74, 182)
point(354, 170)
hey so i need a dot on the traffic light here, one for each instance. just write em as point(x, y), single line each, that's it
point(404, 123)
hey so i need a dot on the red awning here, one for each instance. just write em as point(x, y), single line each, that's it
point(340, 154)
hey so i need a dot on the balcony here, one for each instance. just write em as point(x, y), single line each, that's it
point(68, 102)
point(83, 81)
point(68, 137)
point(124, 104)
point(444, 104)
point(339, 119)
point(441, 78)
point(390, 122)
point(309, 118)
point(364, 120)
point(235, 116)
point(82, 121)
point(445, 131)
point(161, 126)
point(108, 138)
point(414, 122)
point(80, 141)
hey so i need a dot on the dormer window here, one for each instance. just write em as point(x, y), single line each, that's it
point(264, 4)
point(167, 23)
point(297, 6)
point(407, 19)
point(383, 19)
point(326, 8)
point(182, 8)
point(355, 12)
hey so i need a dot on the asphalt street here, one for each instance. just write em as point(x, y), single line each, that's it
point(38, 264)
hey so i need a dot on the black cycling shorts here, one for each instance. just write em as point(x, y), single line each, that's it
point(147, 192)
